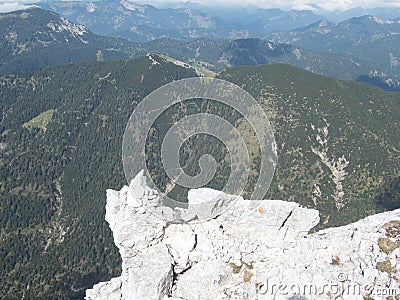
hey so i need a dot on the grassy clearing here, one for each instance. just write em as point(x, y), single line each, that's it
point(41, 120)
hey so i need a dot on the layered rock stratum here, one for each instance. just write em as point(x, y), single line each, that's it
point(251, 250)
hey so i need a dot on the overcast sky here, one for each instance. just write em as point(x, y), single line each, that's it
point(294, 4)
point(7, 5)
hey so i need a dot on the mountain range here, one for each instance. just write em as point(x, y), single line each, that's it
point(142, 23)
point(249, 11)
point(372, 39)
point(66, 94)
point(371, 42)
point(36, 38)
point(217, 55)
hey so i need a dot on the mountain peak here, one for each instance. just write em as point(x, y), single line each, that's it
point(35, 38)
point(322, 26)
point(133, 6)
point(376, 19)
point(365, 19)
point(65, 25)
point(42, 26)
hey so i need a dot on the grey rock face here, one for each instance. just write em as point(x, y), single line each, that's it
point(254, 250)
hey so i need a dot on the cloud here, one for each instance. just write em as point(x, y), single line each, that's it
point(329, 5)
point(11, 6)
point(7, 5)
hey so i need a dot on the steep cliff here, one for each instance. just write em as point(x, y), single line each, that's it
point(253, 250)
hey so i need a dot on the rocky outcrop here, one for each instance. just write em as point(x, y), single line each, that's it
point(254, 250)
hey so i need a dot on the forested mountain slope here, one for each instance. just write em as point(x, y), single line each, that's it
point(61, 134)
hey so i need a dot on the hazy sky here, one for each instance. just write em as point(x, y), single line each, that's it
point(294, 4)
point(7, 5)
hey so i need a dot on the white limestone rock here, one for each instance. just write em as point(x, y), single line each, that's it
point(110, 290)
point(180, 240)
point(148, 275)
point(128, 198)
point(202, 280)
point(207, 203)
point(254, 250)
point(141, 193)
point(138, 185)
point(165, 212)
point(137, 233)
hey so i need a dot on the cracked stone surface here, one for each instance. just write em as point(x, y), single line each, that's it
point(255, 250)
point(180, 240)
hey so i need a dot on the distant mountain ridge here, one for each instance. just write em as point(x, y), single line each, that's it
point(369, 38)
point(373, 43)
point(342, 37)
point(259, 20)
point(141, 23)
point(384, 13)
point(220, 54)
point(35, 38)
point(248, 11)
